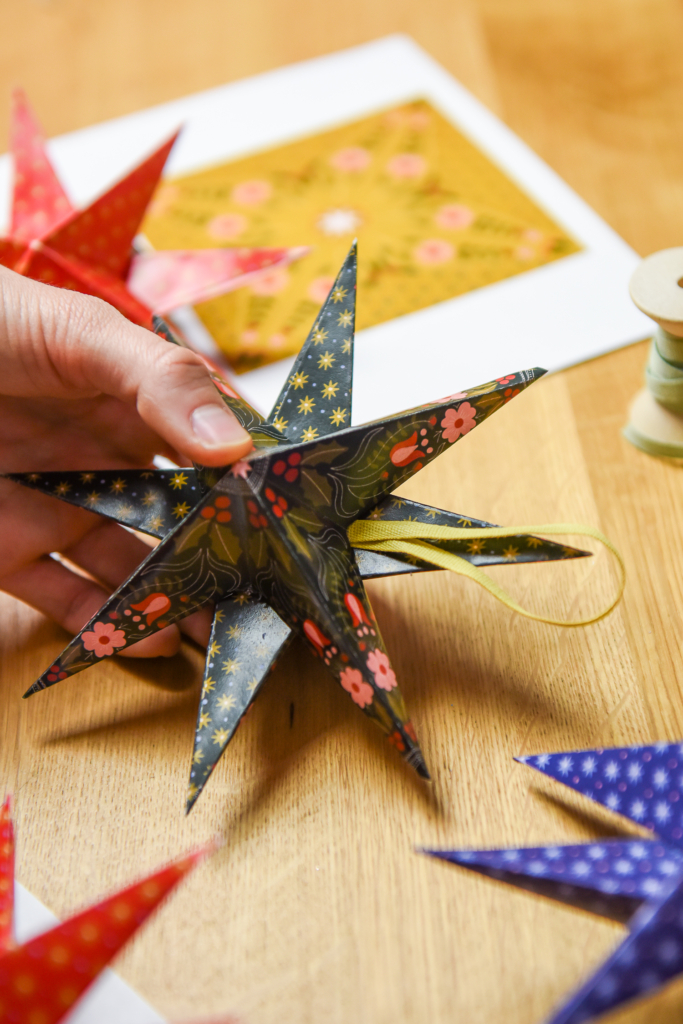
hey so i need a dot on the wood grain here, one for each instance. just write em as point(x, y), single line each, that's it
point(317, 908)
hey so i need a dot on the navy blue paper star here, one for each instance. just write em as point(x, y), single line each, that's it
point(638, 882)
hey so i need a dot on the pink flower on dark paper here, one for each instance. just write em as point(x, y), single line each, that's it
point(457, 422)
point(353, 682)
point(103, 638)
point(379, 665)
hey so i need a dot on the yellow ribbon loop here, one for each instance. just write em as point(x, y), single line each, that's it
point(408, 538)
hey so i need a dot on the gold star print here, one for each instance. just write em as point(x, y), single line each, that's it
point(298, 380)
point(375, 514)
point(475, 546)
point(198, 756)
point(181, 510)
point(62, 488)
point(309, 434)
point(346, 346)
point(279, 423)
point(431, 512)
point(209, 685)
point(464, 522)
point(325, 361)
point(234, 632)
point(241, 599)
point(260, 650)
point(178, 480)
point(306, 405)
point(146, 474)
point(226, 702)
point(338, 294)
point(511, 552)
point(319, 336)
point(330, 390)
point(214, 649)
point(126, 510)
point(156, 523)
point(192, 791)
point(338, 416)
point(230, 666)
point(118, 486)
point(220, 737)
point(86, 478)
point(534, 542)
point(150, 498)
point(397, 502)
point(345, 319)
point(252, 685)
point(219, 615)
point(33, 477)
point(204, 720)
point(92, 499)
point(570, 552)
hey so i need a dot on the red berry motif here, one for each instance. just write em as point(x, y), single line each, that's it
point(288, 469)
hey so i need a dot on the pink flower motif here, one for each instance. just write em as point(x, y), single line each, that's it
point(458, 421)
point(319, 289)
point(164, 198)
point(276, 341)
point(454, 217)
point(252, 193)
point(419, 119)
point(524, 252)
point(103, 638)
point(353, 159)
point(226, 226)
point(433, 251)
point(452, 398)
point(407, 165)
point(353, 683)
point(379, 665)
point(271, 282)
point(533, 235)
point(250, 337)
point(241, 469)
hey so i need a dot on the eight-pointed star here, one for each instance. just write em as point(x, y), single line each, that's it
point(266, 540)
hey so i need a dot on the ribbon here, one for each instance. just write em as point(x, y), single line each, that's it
point(412, 539)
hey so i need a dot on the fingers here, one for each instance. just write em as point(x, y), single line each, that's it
point(72, 601)
point(109, 553)
point(58, 343)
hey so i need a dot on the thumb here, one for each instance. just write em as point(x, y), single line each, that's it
point(81, 346)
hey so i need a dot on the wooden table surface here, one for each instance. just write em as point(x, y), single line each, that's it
point(317, 908)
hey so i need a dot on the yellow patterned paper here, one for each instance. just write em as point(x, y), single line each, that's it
point(433, 215)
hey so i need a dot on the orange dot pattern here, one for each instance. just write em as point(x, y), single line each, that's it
point(40, 203)
point(6, 875)
point(42, 980)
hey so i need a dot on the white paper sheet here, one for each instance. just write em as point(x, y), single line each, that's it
point(110, 1000)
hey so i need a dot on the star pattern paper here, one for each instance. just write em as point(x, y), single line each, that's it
point(636, 881)
point(91, 250)
point(43, 979)
point(266, 541)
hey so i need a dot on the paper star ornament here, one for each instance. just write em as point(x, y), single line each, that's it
point(91, 250)
point(636, 881)
point(42, 980)
point(266, 540)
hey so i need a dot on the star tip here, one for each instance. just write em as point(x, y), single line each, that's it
point(31, 690)
point(538, 371)
point(423, 771)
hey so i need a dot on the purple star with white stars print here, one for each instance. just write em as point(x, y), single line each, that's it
point(635, 881)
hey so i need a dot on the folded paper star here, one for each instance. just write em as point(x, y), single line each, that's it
point(42, 980)
point(91, 250)
point(266, 540)
point(635, 881)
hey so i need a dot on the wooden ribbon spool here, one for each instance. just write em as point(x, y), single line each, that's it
point(656, 417)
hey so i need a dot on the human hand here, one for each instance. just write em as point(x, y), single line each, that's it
point(82, 388)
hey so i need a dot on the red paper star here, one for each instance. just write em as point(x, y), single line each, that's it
point(91, 250)
point(42, 979)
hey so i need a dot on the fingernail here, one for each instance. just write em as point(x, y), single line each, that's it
point(215, 426)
